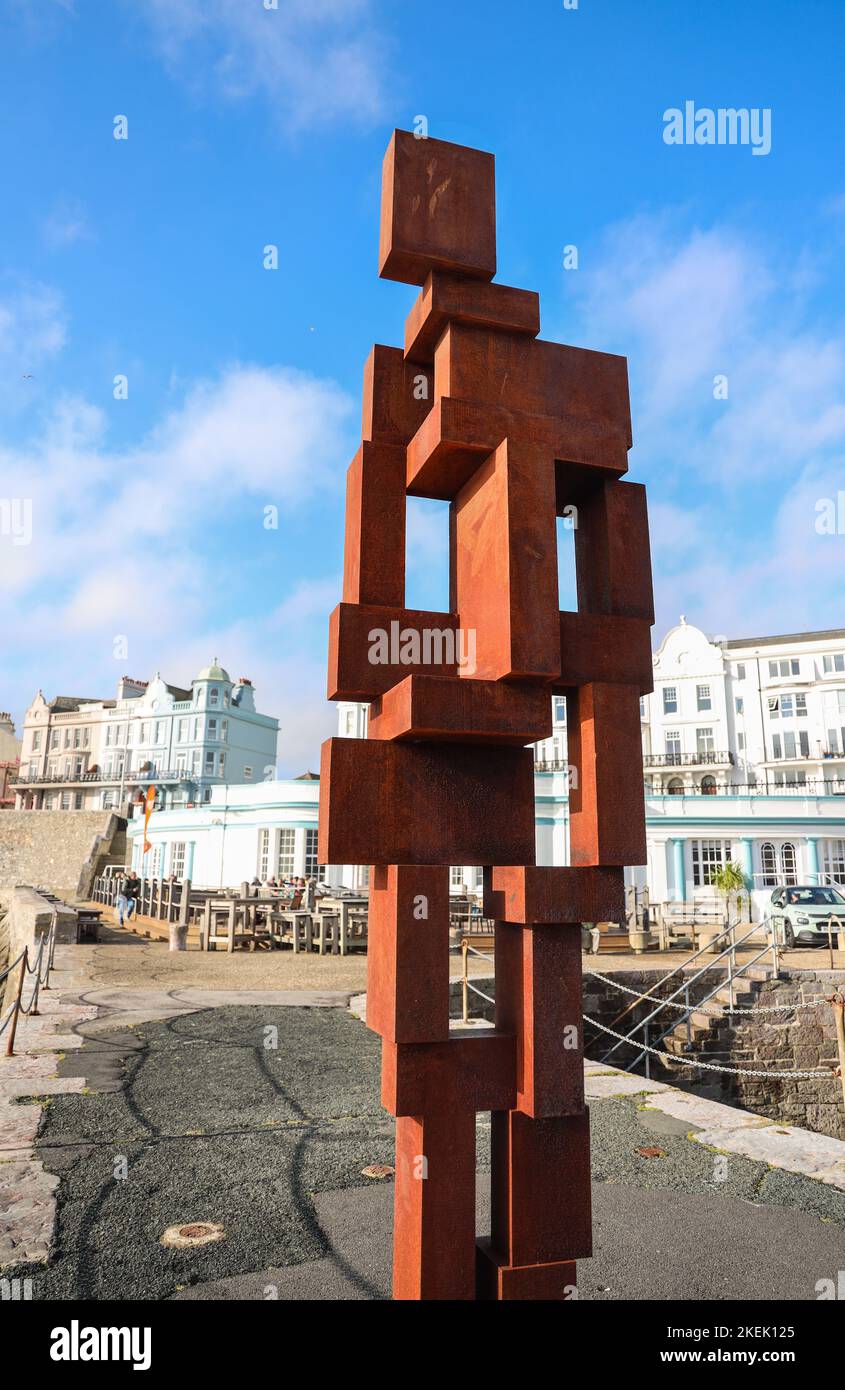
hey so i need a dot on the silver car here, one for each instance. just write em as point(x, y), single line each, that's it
point(806, 914)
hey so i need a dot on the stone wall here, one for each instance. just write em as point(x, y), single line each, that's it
point(51, 849)
point(795, 1041)
point(29, 917)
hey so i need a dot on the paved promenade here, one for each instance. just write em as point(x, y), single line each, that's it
point(258, 1110)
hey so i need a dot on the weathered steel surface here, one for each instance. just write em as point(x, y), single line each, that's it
point(513, 432)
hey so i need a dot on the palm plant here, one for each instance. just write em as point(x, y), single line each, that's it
point(729, 880)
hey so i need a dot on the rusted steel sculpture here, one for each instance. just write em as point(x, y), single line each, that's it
point(512, 431)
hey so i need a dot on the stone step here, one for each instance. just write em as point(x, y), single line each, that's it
point(743, 998)
point(707, 1020)
point(680, 1037)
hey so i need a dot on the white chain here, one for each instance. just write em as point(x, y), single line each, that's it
point(706, 1066)
point(480, 992)
point(481, 955)
point(699, 1008)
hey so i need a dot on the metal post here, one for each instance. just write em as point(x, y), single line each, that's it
point(647, 1057)
point(838, 1002)
point(33, 1007)
point(10, 1046)
point(464, 981)
point(51, 945)
point(830, 922)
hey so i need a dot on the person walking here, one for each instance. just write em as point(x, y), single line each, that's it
point(122, 901)
point(133, 894)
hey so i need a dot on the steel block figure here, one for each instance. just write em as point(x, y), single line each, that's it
point(513, 432)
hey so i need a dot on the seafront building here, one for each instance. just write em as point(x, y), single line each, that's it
point(10, 757)
point(88, 754)
point(743, 761)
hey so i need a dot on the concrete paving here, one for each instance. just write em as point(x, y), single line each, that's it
point(163, 1104)
point(262, 1117)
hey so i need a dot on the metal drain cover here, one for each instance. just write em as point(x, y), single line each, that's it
point(194, 1233)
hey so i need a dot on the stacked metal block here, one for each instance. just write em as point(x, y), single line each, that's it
point(513, 432)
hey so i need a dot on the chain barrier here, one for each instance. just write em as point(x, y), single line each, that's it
point(480, 993)
point(41, 970)
point(699, 1008)
point(710, 1066)
point(655, 1052)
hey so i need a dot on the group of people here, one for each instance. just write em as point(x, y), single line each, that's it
point(302, 892)
point(280, 885)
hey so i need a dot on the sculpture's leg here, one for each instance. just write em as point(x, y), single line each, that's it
point(434, 1211)
point(541, 1207)
point(540, 1186)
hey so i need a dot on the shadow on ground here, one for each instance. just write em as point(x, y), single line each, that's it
point(262, 1118)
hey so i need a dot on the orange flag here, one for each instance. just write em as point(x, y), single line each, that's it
point(148, 810)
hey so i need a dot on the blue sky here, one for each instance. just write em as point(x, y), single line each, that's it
point(250, 126)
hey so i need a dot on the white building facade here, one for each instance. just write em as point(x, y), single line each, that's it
point(743, 762)
point(239, 834)
point(82, 754)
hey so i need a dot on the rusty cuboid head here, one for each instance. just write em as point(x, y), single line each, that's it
point(513, 432)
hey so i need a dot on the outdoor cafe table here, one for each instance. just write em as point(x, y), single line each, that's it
point(225, 911)
point(344, 908)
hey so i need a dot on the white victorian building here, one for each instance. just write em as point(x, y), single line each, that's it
point(85, 754)
point(744, 761)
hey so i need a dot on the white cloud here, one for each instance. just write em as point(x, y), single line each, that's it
point(684, 300)
point(65, 224)
point(122, 545)
point(732, 483)
point(316, 61)
point(33, 328)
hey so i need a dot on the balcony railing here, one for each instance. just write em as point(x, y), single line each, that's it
point(712, 758)
point(550, 765)
point(170, 774)
point(814, 787)
point(47, 779)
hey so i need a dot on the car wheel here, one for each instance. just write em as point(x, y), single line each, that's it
point(788, 935)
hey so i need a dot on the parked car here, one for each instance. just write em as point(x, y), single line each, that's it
point(801, 914)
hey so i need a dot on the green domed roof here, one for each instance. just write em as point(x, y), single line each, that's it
point(212, 673)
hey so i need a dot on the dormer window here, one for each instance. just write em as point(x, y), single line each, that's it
point(213, 695)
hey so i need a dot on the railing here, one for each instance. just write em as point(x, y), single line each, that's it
point(31, 779)
point(699, 759)
point(171, 774)
point(41, 970)
point(160, 898)
point(734, 972)
point(812, 787)
point(550, 765)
